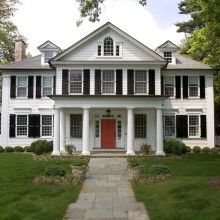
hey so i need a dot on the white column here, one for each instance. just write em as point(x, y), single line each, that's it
point(85, 135)
point(62, 132)
point(130, 132)
point(159, 134)
point(56, 138)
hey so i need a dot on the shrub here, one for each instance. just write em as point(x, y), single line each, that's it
point(159, 169)
point(206, 150)
point(188, 149)
point(18, 149)
point(214, 151)
point(145, 148)
point(39, 149)
point(185, 149)
point(9, 149)
point(196, 150)
point(28, 149)
point(55, 171)
point(1, 149)
point(41, 146)
point(175, 147)
point(70, 149)
point(134, 162)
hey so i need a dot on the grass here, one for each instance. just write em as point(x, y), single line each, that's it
point(188, 195)
point(20, 199)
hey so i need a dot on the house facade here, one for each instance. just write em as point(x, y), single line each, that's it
point(107, 91)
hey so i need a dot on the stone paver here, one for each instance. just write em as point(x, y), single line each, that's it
point(107, 193)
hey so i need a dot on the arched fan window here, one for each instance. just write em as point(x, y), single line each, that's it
point(108, 47)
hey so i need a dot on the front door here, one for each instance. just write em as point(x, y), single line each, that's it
point(108, 133)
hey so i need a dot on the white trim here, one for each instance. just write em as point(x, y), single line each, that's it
point(82, 82)
point(108, 81)
point(41, 126)
point(16, 126)
point(23, 97)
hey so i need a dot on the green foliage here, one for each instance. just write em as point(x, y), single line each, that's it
point(206, 150)
point(196, 149)
point(214, 151)
point(18, 149)
point(175, 147)
point(134, 161)
point(41, 147)
point(55, 171)
point(145, 148)
point(70, 149)
point(9, 149)
point(1, 149)
point(188, 149)
point(159, 169)
point(28, 149)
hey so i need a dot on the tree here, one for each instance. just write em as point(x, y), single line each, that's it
point(8, 31)
point(92, 9)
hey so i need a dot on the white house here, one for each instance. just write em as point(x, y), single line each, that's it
point(107, 91)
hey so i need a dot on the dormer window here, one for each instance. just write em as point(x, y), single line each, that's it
point(108, 47)
point(47, 56)
point(168, 56)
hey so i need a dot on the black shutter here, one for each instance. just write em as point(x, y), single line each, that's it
point(202, 87)
point(98, 82)
point(86, 89)
point(162, 85)
point(185, 87)
point(30, 87)
point(65, 82)
point(130, 81)
point(182, 126)
point(203, 126)
point(38, 87)
point(13, 87)
point(54, 85)
point(178, 86)
point(151, 82)
point(34, 126)
point(119, 82)
point(12, 126)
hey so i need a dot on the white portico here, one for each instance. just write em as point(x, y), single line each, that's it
point(119, 121)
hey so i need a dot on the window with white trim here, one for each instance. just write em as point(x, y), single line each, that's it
point(76, 81)
point(97, 128)
point(169, 86)
point(76, 126)
point(169, 125)
point(47, 125)
point(117, 52)
point(47, 56)
point(22, 85)
point(99, 50)
point(140, 82)
point(108, 81)
point(47, 85)
point(108, 46)
point(193, 86)
point(140, 125)
point(22, 125)
point(194, 126)
point(168, 56)
point(119, 129)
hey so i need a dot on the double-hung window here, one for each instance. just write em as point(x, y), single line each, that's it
point(47, 55)
point(194, 126)
point(140, 82)
point(193, 86)
point(169, 86)
point(47, 85)
point(76, 126)
point(46, 125)
point(168, 56)
point(169, 125)
point(76, 81)
point(140, 125)
point(108, 81)
point(22, 84)
point(108, 47)
point(22, 125)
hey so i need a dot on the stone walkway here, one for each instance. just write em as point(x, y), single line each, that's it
point(107, 193)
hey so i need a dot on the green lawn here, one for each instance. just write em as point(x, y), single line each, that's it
point(20, 199)
point(188, 195)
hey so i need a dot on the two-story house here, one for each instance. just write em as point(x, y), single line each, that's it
point(107, 91)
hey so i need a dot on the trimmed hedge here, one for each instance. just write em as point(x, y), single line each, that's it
point(196, 150)
point(175, 147)
point(9, 149)
point(214, 151)
point(55, 171)
point(18, 149)
point(41, 147)
point(206, 150)
point(1, 149)
point(159, 169)
point(28, 149)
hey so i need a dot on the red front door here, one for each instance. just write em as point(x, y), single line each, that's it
point(108, 133)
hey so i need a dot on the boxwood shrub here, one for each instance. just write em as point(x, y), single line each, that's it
point(196, 150)
point(18, 149)
point(41, 147)
point(214, 151)
point(175, 147)
point(9, 149)
point(206, 150)
point(55, 171)
point(28, 149)
point(1, 149)
point(159, 169)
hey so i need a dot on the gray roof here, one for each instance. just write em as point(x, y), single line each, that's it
point(183, 62)
point(29, 63)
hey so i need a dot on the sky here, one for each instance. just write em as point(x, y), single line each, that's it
point(55, 20)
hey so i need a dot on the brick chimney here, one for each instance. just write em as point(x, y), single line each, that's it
point(20, 50)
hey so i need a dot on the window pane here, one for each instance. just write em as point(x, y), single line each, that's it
point(96, 129)
point(76, 126)
point(168, 56)
point(47, 81)
point(47, 91)
point(75, 75)
point(75, 87)
point(108, 87)
point(117, 50)
point(108, 81)
point(140, 75)
point(193, 125)
point(46, 125)
point(22, 120)
point(193, 120)
point(22, 81)
point(169, 125)
point(48, 54)
point(108, 75)
point(140, 87)
point(21, 125)
point(21, 91)
point(99, 50)
point(140, 126)
point(119, 129)
point(108, 47)
point(193, 81)
point(193, 91)
point(47, 120)
point(22, 131)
